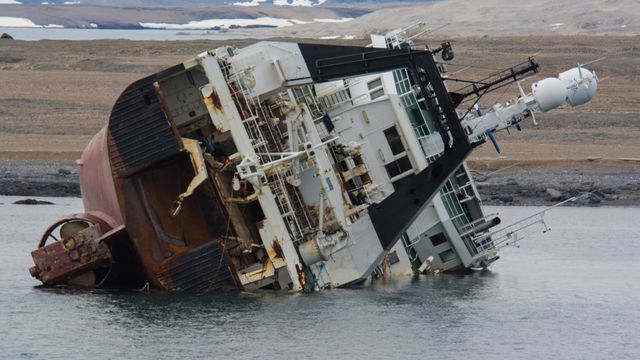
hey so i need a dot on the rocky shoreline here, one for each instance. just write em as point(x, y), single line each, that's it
point(599, 187)
point(36, 178)
point(595, 187)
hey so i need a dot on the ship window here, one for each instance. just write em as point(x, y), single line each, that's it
point(375, 89)
point(447, 256)
point(374, 84)
point(376, 94)
point(438, 239)
point(394, 140)
point(398, 167)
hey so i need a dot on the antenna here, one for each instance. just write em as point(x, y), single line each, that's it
point(592, 61)
point(580, 72)
point(460, 70)
point(522, 94)
point(580, 66)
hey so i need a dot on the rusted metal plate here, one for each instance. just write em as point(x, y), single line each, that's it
point(158, 237)
point(201, 269)
point(63, 260)
point(96, 181)
point(141, 134)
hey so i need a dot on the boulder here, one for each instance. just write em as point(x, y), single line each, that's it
point(6, 36)
point(32, 202)
point(554, 195)
point(506, 198)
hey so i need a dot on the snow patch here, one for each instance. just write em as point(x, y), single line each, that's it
point(334, 37)
point(249, 3)
point(332, 20)
point(307, 3)
point(7, 21)
point(212, 23)
point(227, 23)
point(9, 2)
point(298, 22)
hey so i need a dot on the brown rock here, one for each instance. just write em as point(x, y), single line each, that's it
point(32, 202)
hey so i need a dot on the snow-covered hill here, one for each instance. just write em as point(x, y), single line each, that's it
point(300, 17)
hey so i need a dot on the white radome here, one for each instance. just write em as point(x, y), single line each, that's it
point(549, 93)
point(581, 84)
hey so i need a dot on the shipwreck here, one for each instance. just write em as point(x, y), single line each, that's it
point(289, 166)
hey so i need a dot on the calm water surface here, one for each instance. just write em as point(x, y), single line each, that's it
point(572, 293)
point(32, 34)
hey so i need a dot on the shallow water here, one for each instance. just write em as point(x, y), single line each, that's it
point(572, 293)
point(32, 34)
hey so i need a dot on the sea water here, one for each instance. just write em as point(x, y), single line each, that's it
point(571, 293)
point(32, 34)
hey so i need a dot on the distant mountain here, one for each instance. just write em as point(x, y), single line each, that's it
point(492, 17)
point(348, 18)
point(241, 13)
